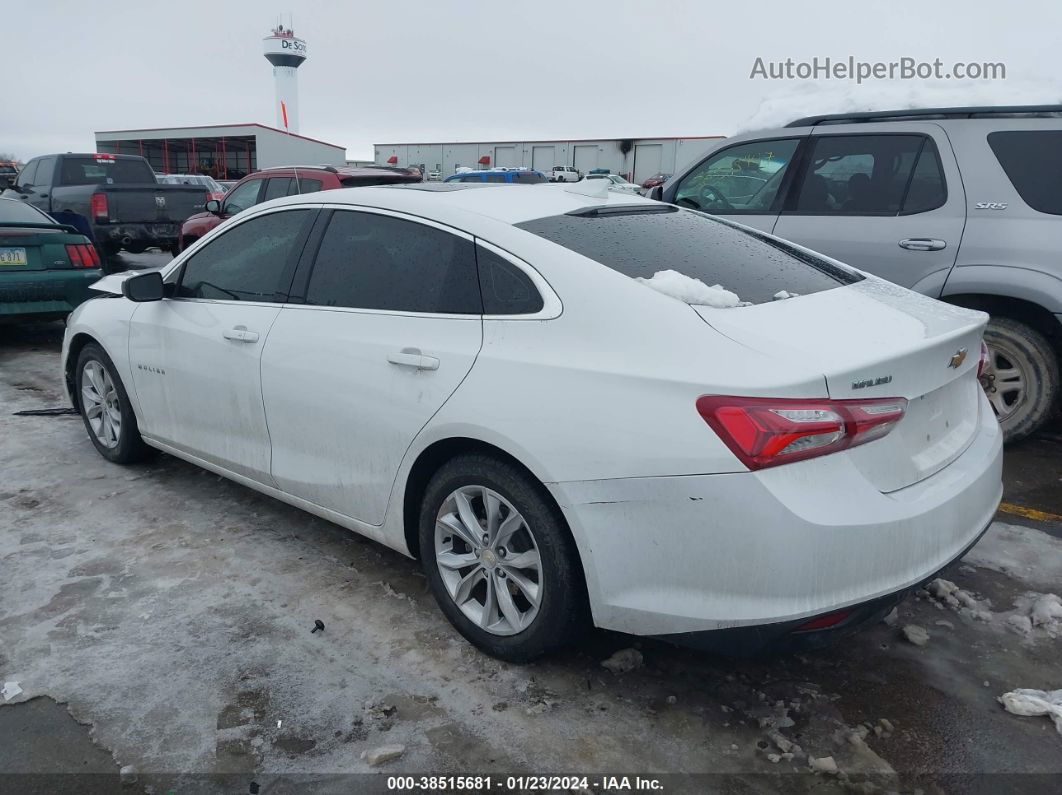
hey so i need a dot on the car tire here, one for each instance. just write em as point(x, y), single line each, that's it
point(1018, 351)
point(560, 613)
point(99, 388)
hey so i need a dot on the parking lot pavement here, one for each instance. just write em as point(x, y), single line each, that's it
point(170, 611)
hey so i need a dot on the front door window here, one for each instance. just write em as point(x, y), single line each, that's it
point(740, 179)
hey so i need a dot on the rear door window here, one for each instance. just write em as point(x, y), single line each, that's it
point(306, 186)
point(277, 187)
point(371, 261)
point(1032, 160)
point(869, 175)
point(506, 289)
point(642, 243)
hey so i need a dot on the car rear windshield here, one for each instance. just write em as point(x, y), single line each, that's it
point(14, 212)
point(104, 171)
point(642, 240)
point(1033, 162)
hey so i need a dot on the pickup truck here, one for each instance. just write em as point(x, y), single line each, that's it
point(122, 203)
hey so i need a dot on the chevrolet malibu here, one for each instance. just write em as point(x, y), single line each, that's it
point(574, 406)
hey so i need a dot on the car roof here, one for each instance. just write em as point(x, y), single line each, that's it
point(510, 204)
point(932, 114)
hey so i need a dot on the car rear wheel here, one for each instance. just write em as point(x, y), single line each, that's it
point(499, 559)
point(105, 408)
point(1021, 378)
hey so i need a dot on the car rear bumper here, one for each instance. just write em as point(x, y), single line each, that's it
point(163, 234)
point(44, 293)
point(787, 636)
point(679, 555)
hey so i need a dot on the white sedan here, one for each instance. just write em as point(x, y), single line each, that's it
point(574, 406)
point(617, 183)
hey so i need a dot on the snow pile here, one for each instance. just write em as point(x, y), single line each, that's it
point(1037, 611)
point(1026, 554)
point(1027, 702)
point(818, 97)
point(691, 291)
point(781, 295)
point(1046, 610)
point(944, 593)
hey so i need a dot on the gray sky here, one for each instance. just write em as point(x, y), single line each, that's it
point(430, 70)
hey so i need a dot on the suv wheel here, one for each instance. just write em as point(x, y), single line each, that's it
point(1021, 378)
point(500, 561)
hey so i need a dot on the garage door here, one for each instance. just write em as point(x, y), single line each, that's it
point(542, 159)
point(585, 157)
point(505, 157)
point(647, 160)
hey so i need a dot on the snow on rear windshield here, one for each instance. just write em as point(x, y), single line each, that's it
point(654, 244)
point(691, 291)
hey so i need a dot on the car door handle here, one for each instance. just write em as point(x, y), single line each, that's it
point(922, 244)
point(412, 357)
point(240, 334)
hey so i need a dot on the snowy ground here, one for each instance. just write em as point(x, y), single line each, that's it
point(170, 612)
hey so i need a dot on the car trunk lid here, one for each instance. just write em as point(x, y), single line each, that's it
point(34, 249)
point(873, 339)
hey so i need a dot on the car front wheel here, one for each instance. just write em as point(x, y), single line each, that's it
point(500, 560)
point(105, 408)
point(1021, 378)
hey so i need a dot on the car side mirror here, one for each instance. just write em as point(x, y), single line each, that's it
point(213, 206)
point(656, 194)
point(144, 287)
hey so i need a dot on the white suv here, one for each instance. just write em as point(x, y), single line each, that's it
point(565, 174)
point(960, 204)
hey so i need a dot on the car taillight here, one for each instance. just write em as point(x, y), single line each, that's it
point(767, 432)
point(83, 255)
point(99, 208)
point(982, 363)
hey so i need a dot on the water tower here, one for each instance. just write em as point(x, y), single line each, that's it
point(286, 53)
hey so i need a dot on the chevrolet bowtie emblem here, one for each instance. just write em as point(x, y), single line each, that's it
point(958, 358)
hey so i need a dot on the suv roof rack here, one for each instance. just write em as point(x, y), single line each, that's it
point(972, 112)
point(333, 169)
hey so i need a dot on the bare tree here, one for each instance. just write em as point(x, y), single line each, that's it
point(8, 156)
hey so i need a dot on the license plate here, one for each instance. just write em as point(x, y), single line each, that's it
point(12, 256)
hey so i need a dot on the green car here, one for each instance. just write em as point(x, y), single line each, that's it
point(46, 268)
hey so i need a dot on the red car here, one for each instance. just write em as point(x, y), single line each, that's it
point(656, 179)
point(272, 183)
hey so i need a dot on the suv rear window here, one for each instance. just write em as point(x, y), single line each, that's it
point(104, 171)
point(1032, 160)
point(640, 242)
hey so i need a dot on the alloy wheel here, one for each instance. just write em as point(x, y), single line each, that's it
point(100, 403)
point(1004, 380)
point(488, 560)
